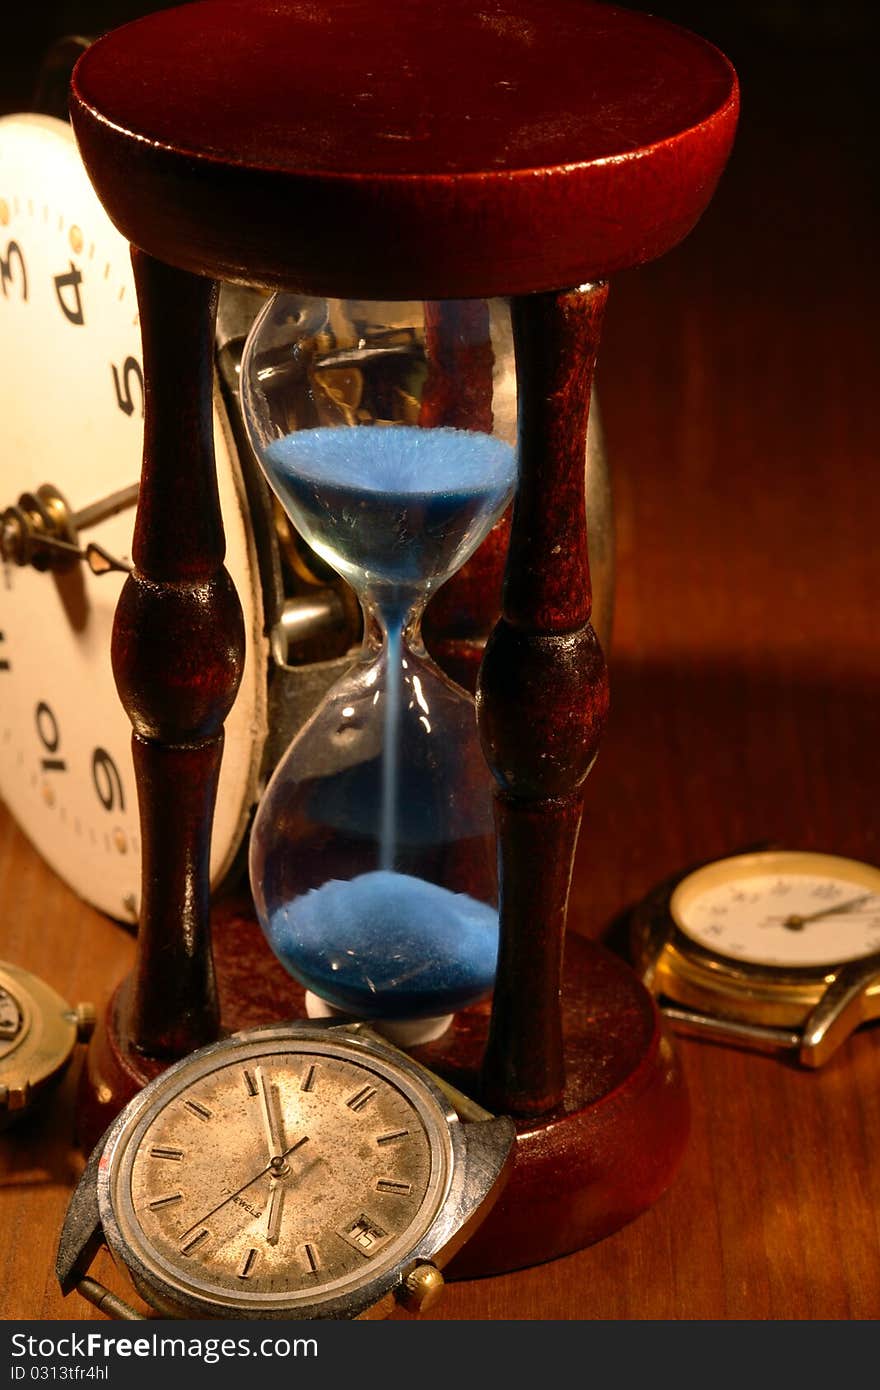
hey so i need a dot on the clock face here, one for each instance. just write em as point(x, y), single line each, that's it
point(782, 909)
point(71, 409)
point(280, 1173)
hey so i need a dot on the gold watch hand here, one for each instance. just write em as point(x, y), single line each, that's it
point(267, 1168)
point(272, 1117)
point(795, 922)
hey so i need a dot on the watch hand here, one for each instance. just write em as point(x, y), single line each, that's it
point(276, 1211)
point(267, 1168)
point(272, 1117)
point(796, 922)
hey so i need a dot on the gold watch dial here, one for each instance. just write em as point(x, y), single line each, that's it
point(782, 909)
point(291, 1172)
point(11, 1017)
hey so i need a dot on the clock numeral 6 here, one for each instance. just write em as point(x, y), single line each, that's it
point(49, 736)
point(6, 275)
point(71, 305)
point(131, 367)
point(108, 783)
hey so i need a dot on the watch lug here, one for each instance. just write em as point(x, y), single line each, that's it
point(81, 1234)
point(491, 1147)
point(840, 1010)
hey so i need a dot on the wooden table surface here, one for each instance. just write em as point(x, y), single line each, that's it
point(738, 381)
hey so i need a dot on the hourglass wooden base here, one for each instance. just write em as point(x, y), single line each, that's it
point(581, 1172)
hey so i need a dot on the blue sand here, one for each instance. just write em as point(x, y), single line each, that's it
point(388, 945)
point(394, 505)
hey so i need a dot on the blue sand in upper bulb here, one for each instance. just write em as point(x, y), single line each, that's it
point(399, 503)
point(388, 945)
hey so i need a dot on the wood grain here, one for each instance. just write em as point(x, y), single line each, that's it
point(738, 383)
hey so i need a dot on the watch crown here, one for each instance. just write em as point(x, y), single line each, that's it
point(421, 1288)
point(85, 1021)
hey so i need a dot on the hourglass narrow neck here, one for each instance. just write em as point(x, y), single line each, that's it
point(392, 619)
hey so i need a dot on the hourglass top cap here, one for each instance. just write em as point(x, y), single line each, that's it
point(401, 149)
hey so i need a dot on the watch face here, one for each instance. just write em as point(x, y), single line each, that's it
point(11, 1020)
point(277, 1174)
point(782, 909)
point(71, 416)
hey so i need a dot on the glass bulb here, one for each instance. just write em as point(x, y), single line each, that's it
point(387, 434)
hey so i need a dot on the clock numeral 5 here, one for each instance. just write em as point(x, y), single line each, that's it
point(131, 367)
point(47, 730)
point(6, 276)
point(72, 306)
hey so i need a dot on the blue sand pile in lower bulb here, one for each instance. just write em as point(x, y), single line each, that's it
point(388, 945)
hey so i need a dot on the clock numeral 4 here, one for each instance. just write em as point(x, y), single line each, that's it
point(5, 663)
point(6, 275)
point(67, 290)
point(131, 367)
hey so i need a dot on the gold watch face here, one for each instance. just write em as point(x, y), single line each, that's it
point(277, 1173)
point(782, 909)
point(11, 1021)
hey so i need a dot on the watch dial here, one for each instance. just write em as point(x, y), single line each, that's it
point(288, 1175)
point(771, 910)
point(71, 415)
point(11, 1018)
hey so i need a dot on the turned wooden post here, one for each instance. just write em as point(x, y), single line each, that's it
point(542, 694)
point(178, 651)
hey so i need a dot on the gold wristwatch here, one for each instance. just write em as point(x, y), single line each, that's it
point(38, 1033)
point(778, 950)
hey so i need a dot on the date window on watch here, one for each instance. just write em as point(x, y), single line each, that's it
point(364, 1235)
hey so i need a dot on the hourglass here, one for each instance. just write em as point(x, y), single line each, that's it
point(377, 154)
point(372, 857)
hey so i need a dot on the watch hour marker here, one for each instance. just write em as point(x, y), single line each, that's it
point(201, 1110)
point(248, 1263)
point(198, 1239)
point(391, 1185)
point(250, 1083)
point(166, 1201)
point(394, 1134)
point(308, 1082)
point(361, 1098)
point(174, 1154)
point(312, 1257)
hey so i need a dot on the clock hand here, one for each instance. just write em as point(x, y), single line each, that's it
point(106, 507)
point(276, 1211)
point(41, 531)
point(272, 1117)
point(796, 922)
point(267, 1168)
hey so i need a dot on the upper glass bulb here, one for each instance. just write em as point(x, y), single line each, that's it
point(387, 433)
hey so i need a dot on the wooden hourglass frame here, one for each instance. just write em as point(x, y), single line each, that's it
point(403, 151)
